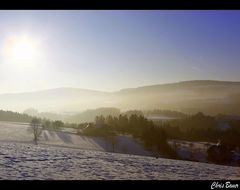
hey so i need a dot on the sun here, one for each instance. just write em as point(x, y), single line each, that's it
point(22, 50)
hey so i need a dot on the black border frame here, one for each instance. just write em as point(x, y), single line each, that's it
point(119, 4)
point(116, 5)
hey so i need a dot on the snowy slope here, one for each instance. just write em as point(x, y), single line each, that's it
point(27, 161)
point(19, 132)
point(63, 155)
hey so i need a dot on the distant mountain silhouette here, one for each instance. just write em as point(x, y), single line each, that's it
point(211, 97)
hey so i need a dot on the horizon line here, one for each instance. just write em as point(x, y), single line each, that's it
point(127, 88)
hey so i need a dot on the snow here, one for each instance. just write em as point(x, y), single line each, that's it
point(191, 150)
point(66, 156)
point(30, 162)
point(123, 144)
point(19, 132)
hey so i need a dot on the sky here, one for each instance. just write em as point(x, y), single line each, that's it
point(111, 50)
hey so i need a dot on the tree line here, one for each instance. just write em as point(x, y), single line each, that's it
point(200, 127)
point(138, 126)
point(14, 117)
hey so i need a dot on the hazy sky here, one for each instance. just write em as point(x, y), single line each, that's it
point(111, 50)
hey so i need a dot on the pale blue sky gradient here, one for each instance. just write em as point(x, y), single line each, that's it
point(111, 50)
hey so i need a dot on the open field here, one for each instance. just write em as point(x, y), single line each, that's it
point(27, 161)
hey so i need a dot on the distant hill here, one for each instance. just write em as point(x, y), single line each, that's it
point(53, 100)
point(210, 97)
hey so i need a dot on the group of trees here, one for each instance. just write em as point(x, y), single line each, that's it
point(197, 127)
point(38, 124)
point(48, 124)
point(200, 127)
point(136, 125)
point(231, 135)
point(14, 116)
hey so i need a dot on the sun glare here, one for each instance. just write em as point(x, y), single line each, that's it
point(22, 50)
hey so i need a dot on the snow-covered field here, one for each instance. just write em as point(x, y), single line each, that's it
point(28, 161)
point(18, 132)
point(62, 155)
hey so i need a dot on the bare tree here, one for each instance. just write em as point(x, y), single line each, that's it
point(36, 128)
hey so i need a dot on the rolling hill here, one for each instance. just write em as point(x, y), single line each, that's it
point(210, 97)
